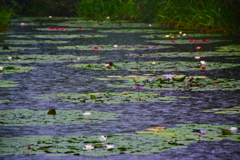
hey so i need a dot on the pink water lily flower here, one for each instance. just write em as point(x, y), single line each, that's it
point(138, 87)
point(22, 24)
point(169, 76)
point(198, 47)
point(203, 131)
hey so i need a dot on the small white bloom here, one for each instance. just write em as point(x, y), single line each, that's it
point(150, 25)
point(108, 17)
point(9, 58)
point(107, 65)
point(202, 62)
point(115, 46)
point(89, 146)
point(1, 68)
point(233, 129)
point(50, 17)
point(197, 57)
point(87, 113)
point(102, 138)
point(184, 34)
point(110, 146)
point(78, 59)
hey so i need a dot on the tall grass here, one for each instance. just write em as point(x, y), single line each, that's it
point(200, 14)
point(5, 15)
point(120, 9)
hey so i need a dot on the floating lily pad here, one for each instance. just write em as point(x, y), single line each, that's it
point(140, 143)
point(178, 82)
point(174, 35)
point(181, 41)
point(45, 58)
point(7, 83)
point(233, 110)
point(52, 29)
point(15, 49)
point(32, 41)
point(111, 47)
point(233, 47)
point(157, 66)
point(113, 98)
point(4, 100)
point(144, 30)
point(11, 69)
point(70, 36)
point(185, 54)
point(26, 117)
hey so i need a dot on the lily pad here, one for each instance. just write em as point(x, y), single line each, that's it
point(38, 58)
point(57, 29)
point(174, 35)
point(26, 117)
point(4, 100)
point(15, 49)
point(233, 110)
point(177, 82)
point(8, 83)
point(140, 143)
point(233, 47)
point(11, 69)
point(63, 36)
point(185, 54)
point(32, 41)
point(182, 41)
point(111, 47)
point(112, 98)
point(157, 66)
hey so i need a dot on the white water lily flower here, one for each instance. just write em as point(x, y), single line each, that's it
point(89, 146)
point(108, 17)
point(87, 113)
point(150, 25)
point(197, 57)
point(78, 59)
point(110, 146)
point(115, 46)
point(102, 138)
point(233, 129)
point(184, 34)
point(9, 58)
point(1, 68)
point(202, 62)
point(50, 17)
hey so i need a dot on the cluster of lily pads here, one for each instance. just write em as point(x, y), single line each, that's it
point(172, 82)
point(157, 66)
point(44, 58)
point(26, 117)
point(112, 98)
point(154, 140)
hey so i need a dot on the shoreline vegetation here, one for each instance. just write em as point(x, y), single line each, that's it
point(201, 15)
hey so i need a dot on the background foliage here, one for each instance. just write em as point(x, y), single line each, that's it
point(203, 15)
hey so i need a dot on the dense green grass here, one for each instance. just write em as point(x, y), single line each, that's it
point(5, 15)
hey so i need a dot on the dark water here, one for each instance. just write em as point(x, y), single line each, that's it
point(59, 78)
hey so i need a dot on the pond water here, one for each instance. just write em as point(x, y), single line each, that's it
point(88, 42)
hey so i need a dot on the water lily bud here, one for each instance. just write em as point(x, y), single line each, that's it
point(110, 146)
point(203, 62)
point(87, 113)
point(233, 129)
point(115, 46)
point(197, 57)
